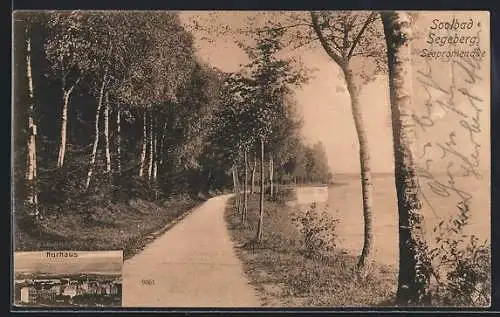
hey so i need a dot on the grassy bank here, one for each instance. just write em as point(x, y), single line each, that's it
point(285, 277)
point(110, 226)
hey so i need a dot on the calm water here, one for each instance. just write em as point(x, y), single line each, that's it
point(344, 202)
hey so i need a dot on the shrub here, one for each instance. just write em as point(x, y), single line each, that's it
point(317, 230)
point(461, 264)
point(462, 271)
point(469, 279)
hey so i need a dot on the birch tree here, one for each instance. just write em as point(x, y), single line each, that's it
point(341, 35)
point(142, 159)
point(245, 189)
point(254, 167)
point(31, 202)
point(66, 49)
point(118, 139)
point(165, 45)
point(194, 115)
point(273, 78)
point(106, 54)
point(96, 130)
point(414, 266)
point(284, 139)
point(345, 36)
point(260, 225)
point(236, 130)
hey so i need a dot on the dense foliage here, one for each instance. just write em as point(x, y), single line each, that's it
point(124, 112)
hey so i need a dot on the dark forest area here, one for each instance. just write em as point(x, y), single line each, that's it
point(108, 115)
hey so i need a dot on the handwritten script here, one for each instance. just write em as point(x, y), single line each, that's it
point(449, 113)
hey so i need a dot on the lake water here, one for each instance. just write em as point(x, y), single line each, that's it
point(344, 202)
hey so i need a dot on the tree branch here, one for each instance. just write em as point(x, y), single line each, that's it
point(322, 40)
point(334, 27)
point(369, 20)
point(305, 43)
point(334, 39)
point(284, 27)
point(345, 41)
point(352, 22)
point(73, 86)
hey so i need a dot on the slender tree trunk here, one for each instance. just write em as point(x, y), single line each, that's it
point(106, 134)
point(150, 140)
point(96, 139)
point(271, 176)
point(413, 280)
point(364, 159)
point(31, 202)
point(118, 140)
point(234, 179)
point(162, 144)
point(261, 205)
point(144, 144)
point(254, 167)
point(366, 183)
point(155, 161)
point(238, 189)
point(235, 187)
point(245, 197)
point(64, 123)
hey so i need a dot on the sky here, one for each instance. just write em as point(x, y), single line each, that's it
point(323, 102)
point(86, 262)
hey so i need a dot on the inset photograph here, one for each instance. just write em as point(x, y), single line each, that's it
point(68, 278)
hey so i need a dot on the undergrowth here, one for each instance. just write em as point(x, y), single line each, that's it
point(286, 269)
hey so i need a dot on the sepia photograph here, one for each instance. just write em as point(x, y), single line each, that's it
point(251, 158)
point(68, 279)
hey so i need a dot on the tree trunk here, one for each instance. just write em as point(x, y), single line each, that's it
point(118, 140)
point(155, 159)
point(162, 144)
point(31, 202)
point(150, 140)
point(235, 187)
point(155, 163)
point(254, 167)
point(64, 123)
point(413, 279)
point(271, 174)
point(144, 144)
point(234, 180)
point(96, 139)
point(238, 189)
point(106, 134)
point(364, 159)
point(258, 238)
point(245, 194)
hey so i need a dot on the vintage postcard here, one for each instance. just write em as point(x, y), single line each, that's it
point(251, 158)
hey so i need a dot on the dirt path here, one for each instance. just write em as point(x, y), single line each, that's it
point(191, 265)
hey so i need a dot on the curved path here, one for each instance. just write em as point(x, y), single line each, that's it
point(192, 265)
